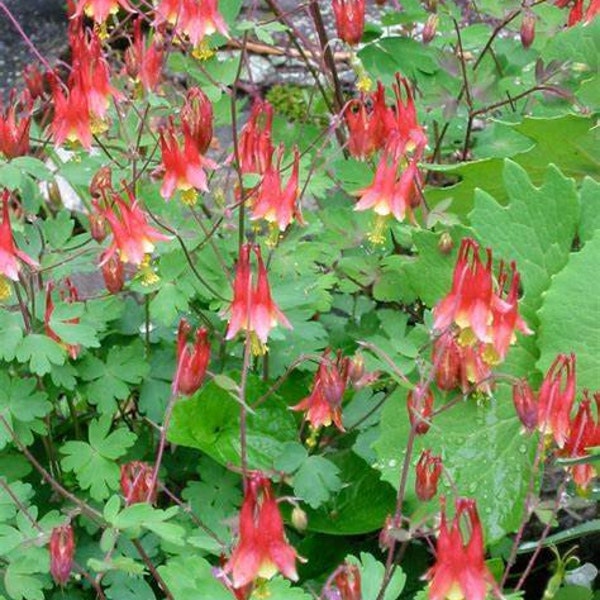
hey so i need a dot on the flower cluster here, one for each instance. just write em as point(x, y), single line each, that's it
point(477, 320)
point(550, 411)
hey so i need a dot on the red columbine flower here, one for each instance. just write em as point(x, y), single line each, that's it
point(143, 62)
point(133, 238)
point(556, 397)
point(62, 549)
point(324, 404)
point(9, 253)
point(192, 360)
point(428, 469)
point(273, 203)
point(137, 482)
point(348, 582)
point(183, 167)
point(14, 132)
point(584, 434)
point(419, 403)
point(71, 121)
point(100, 10)
point(262, 549)
point(197, 118)
point(252, 308)
point(68, 294)
point(349, 19)
point(388, 195)
point(255, 143)
point(459, 571)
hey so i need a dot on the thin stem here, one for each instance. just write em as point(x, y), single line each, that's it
point(243, 411)
point(152, 569)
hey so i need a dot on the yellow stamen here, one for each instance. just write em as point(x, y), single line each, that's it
point(466, 337)
point(203, 51)
point(5, 290)
point(364, 83)
point(257, 347)
point(261, 590)
point(100, 29)
point(146, 273)
point(311, 440)
point(97, 125)
point(377, 235)
point(189, 197)
point(273, 237)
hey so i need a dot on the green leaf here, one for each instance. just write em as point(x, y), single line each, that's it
point(482, 448)
point(590, 209)
point(94, 464)
point(23, 408)
point(190, 577)
point(279, 588)
point(316, 480)
point(371, 577)
point(125, 587)
point(292, 456)
point(76, 333)
point(142, 515)
point(563, 329)
point(210, 421)
point(58, 230)
point(40, 352)
point(536, 229)
point(11, 334)
point(124, 367)
point(23, 577)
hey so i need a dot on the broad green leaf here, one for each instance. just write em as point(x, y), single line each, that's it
point(292, 457)
point(23, 406)
point(569, 318)
point(371, 577)
point(482, 448)
point(94, 464)
point(67, 323)
point(25, 577)
point(58, 230)
point(190, 577)
point(536, 229)
point(121, 586)
point(316, 480)
point(590, 209)
point(11, 334)
point(210, 421)
point(279, 588)
point(40, 352)
point(112, 380)
point(142, 515)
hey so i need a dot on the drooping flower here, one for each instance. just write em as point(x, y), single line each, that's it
point(526, 405)
point(428, 471)
point(9, 253)
point(252, 308)
point(68, 294)
point(348, 582)
point(274, 203)
point(192, 360)
point(100, 10)
point(556, 397)
point(262, 549)
point(72, 120)
point(255, 141)
point(183, 166)
point(133, 238)
point(137, 482)
point(15, 122)
point(349, 19)
point(419, 403)
point(577, 14)
point(62, 550)
point(460, 572)
point(113, 273)
point(324, 404)
point(192, 18)
point(197, 118)
point(584, 434)
point(388, 194)
point(144, 62)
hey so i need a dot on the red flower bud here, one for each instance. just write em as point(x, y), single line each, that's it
point(525, 405)
point(113, 274)
point(420, 406)
point(348, 582)
point(192, 360)
point(97, 226)
point(430, 28)
point(447, 362)
point(62, 549)
point(428, 470)
point(527, 29)
point(136, 482)
point(349, 19)
point(445, 243)
point(197, 118)
point(101, 183)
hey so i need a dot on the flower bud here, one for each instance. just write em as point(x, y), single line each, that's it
point(197, 118)
point(356, 368)
point(430, 28)
point(447, 362)
point(136, 482)
point(527, 29)
point(445, 243)
point(101, 182)
point(348, 582)
point(420, 406)
point(428, 471)
point(525, 405)
point(299, 519)
point(97, 227)
point(192, 359)
point(113, 274)
point(349, 19)
point(62, 549)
